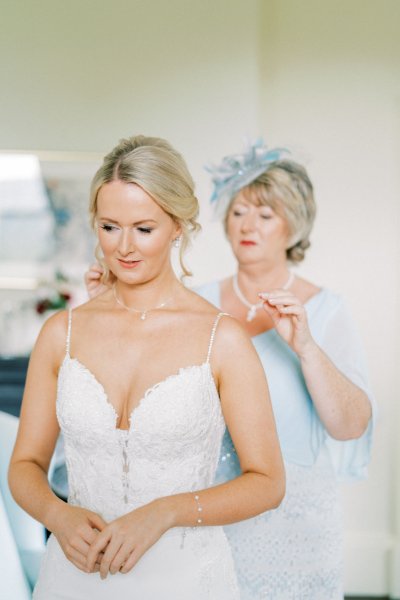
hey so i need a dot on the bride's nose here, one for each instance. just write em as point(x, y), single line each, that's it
point(126, 245)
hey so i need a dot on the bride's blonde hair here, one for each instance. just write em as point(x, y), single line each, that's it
point(154, 165)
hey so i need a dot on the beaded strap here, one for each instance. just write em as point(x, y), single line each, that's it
point(68, 341)
point(214, 329)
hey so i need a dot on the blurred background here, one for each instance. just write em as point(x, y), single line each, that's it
point(321, 77)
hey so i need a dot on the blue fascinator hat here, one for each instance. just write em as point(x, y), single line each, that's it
point(238, 170)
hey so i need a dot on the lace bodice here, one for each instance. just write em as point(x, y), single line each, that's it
point(172, 444)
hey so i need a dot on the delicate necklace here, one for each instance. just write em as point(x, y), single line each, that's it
point(253, 308)
point(143, 311)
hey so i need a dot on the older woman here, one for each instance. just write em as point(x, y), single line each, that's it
point(311, 352)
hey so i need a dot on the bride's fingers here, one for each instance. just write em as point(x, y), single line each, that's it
point(109, 556)
point(97, 547)
point(120, 559)
point(78, 559)
point(131, 560)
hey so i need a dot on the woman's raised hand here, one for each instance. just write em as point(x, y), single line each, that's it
point(290, 319)
point(76, 529)
point(93, 284)
point(122, 542)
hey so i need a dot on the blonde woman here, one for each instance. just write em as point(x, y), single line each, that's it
point(311, 352)
point(141, 381)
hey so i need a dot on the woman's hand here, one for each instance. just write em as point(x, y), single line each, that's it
point(76, 529)
point(124, 541)
point(93, 284)
point(290, 319)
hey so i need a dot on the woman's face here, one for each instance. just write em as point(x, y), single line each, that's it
point(256, 232)
point(135, 233)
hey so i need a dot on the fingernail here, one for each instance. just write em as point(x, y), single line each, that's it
point(263, 295)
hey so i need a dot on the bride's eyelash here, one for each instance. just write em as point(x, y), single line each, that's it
point(108, 227)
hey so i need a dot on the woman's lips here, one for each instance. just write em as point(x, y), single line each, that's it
point(247, 243)
point(128, 264)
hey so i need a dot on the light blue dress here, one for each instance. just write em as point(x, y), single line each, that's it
point(295, 551)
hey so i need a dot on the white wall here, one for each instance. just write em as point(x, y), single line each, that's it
point(320, 77)
point(330, 90)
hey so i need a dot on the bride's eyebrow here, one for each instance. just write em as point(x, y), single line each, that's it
point(105, 220)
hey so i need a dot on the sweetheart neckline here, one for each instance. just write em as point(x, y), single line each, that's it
point(147, 392)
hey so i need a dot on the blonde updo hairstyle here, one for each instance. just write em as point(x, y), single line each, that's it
point(154, 165)
point(287, 189)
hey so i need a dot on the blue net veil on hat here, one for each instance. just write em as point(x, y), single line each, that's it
point(238, 170)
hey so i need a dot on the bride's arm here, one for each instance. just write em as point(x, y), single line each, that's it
point(37, 435)
point(247, 410)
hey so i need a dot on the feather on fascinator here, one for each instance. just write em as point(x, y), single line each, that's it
point(238, 170)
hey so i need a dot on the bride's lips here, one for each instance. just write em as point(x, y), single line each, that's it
point(247, 243)
point(128, 264)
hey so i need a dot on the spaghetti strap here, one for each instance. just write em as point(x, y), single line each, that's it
point(68, 341)
point(212, 337)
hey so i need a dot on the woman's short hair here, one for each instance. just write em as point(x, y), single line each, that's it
point(286, 187)
point(154, 165)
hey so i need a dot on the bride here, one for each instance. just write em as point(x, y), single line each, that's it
point(141, 381)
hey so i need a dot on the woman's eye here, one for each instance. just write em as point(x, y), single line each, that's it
point(266, 216)
point(237, 213)
point(107, 227)
point(145, 229)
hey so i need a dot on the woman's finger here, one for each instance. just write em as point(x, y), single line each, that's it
point(111, 551)
point(286, 300)
point(120, 559)
point(298, 311)
point(96, 267)
point(96, 522)
point(78, 559)
point(90, 275)
point(99, 545)
point(131, 561)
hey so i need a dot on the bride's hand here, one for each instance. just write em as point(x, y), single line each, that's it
point(94, 286)
point(76, 529)
point(290, 319)
point(125, 540)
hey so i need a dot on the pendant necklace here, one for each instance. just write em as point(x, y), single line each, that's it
point(253, 308)
point(143, 311)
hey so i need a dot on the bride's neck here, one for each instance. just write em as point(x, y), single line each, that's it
point(148, 293)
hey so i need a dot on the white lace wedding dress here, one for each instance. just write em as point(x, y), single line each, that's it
point(172, 446)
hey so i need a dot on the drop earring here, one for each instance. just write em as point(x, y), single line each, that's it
point(177, 242)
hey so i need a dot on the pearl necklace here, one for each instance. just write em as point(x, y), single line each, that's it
point(253, 308)
point(143, 311)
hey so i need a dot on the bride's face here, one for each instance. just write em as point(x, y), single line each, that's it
point(135, 233)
